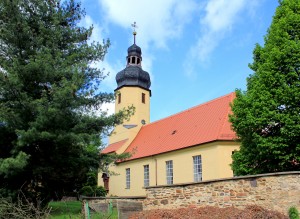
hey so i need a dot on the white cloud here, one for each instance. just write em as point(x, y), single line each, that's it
point(160, 21)
point(97, 34)
point(157, 20)
point(220, 15)
point(217, 21)
point(109, 81)
point(108, 107)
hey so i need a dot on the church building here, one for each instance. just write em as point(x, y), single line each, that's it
point(190, 146)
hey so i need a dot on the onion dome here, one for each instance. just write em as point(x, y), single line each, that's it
point(133, 76)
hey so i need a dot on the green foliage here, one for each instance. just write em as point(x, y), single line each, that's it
point(65, 209)
point(293, 213)
point(266, 117)
point(93, 191)
point(90, 187)
point(91, 178)
point(100, 191)
point(49, 91)
point(87, 191)
point(108, 159)
point(11, 166)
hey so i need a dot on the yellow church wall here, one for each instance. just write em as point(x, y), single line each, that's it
point(131, 96)
point(216, 159)
point(117, 183)
point(225, 155)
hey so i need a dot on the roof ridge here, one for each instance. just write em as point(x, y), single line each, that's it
point(183, 111)
point(231, 96)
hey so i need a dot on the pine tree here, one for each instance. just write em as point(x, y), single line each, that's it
point(266, 117)
point(49, 89)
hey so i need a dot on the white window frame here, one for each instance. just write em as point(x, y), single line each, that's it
point(169, 172)
point(127, 178)
point(197, 163)
point(146, 175)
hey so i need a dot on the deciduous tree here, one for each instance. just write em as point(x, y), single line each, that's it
point(266, 117)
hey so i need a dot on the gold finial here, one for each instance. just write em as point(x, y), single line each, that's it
point(134, 32)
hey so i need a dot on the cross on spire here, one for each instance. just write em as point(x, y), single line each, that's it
point(134, 32)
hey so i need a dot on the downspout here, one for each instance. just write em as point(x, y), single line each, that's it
point(155, 171)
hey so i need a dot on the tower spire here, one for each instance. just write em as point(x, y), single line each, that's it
point(134, 32)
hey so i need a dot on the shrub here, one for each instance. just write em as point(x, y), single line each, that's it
point(100, 191)
point(87, 191)
point(92, 191)
point(293, 213)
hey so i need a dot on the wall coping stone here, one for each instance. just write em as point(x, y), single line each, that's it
point(113, 197)
point(227, 179)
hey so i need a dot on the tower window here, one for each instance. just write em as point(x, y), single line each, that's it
point(143, 98)
point(128, 60)
point(133, 60)
point(138, 60)
point(119, 98)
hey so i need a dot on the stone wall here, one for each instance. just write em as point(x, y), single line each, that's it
point(124, 205)
point(276, 191)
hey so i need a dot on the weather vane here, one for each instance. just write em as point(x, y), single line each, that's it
point(134, 32)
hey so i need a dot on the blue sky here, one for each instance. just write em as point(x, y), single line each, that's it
point(194, 51)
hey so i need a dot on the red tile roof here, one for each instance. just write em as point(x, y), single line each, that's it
point(113, 147)
point(201, 124)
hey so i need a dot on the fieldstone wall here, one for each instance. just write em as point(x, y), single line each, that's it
point(276, 191)
point(126, 208)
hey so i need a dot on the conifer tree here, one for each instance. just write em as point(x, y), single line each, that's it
point(49, 135)
point(266, 117)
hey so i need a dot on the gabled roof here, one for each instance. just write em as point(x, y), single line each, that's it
point(198, 125)
point(113, 147)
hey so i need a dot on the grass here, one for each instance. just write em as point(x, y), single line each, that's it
point(72, 209)
point(69, 209)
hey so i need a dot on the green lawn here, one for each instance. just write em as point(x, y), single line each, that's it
point(72, 209)
point(61, 210)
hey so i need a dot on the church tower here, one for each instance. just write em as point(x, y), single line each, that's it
point(133, 85)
